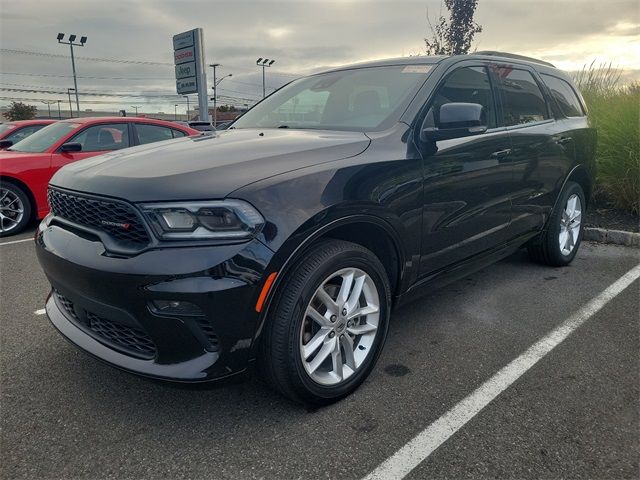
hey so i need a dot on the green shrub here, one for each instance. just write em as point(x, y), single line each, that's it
point(615, 112)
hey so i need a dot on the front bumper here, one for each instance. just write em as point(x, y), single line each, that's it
point(102, 304)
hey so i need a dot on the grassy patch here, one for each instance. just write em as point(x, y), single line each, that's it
point(615, 112)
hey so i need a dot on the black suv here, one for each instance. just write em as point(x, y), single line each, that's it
point(286, 240)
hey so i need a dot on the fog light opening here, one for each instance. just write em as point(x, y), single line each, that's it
point(175, 307)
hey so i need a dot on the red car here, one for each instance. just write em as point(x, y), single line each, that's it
point(27, 166)
point(19, 130)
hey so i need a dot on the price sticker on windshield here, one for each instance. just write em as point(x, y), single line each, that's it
point(416, 69)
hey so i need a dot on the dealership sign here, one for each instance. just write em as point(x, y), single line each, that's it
point(185, 70)
point(184, 55)
point(188, 57)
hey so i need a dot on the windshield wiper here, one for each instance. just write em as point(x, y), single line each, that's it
point(283, 126)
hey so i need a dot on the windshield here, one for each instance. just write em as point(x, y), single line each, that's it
point(45, 138)
point(6, 126)
point(363, 99)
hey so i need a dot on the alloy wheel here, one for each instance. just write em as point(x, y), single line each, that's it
point(570, 224)
point(11, 210)
point(339, 326)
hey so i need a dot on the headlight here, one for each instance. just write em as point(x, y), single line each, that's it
point(217, 220)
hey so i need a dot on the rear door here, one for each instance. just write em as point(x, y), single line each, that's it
point(467, 180)
point(542, 151)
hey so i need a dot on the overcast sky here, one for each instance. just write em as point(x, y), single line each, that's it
point(301, 36)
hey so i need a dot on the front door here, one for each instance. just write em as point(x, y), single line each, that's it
point(467, 208)
point(95, 140)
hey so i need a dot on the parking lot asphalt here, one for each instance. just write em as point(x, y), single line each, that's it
point(574, 414)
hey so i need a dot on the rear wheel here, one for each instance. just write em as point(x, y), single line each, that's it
point(15, 209)
point(559, 244)
point(328, 324)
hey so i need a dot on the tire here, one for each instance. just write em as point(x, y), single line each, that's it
point(547, 249)
point(290, 330)
point(15, 209)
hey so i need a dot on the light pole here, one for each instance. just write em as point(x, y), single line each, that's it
point(216, 82)
point(48, 103)
point(264, 62)
point(69, 90)
point(135, 107)
point(59, 114)
point(175, 112)
point(70, 42)
point(187, 97)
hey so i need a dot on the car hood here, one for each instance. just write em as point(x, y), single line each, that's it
point(206, 167)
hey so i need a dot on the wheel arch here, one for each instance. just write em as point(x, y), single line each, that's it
point(27, 191)
point(368, 231)
point(579, 174)
point(582, 177)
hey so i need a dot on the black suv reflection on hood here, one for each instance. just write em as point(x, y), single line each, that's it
point(208, 166)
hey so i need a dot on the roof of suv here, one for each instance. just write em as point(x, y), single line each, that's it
point(434, 59)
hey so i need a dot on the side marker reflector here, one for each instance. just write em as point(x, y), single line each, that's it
point(265, 291)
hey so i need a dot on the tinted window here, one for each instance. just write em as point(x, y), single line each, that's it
point(466, 85)
point(565, 96)
point(23, 133)
point(152, 133)
point(361, 99)
point(523, 100)
point(178, 133)
point(44, 138)
point(6, 126)
point(99, 138)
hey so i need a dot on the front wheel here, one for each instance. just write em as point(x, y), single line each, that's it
point(15, 209)
point(328, 324)
point(559, 244)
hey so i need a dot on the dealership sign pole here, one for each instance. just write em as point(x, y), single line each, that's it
point(191, 77)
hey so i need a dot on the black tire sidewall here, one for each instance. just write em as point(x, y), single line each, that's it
point(26, 218)
point(305, 387)
point(553, 233)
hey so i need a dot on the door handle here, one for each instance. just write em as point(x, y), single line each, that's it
point(563, 140)
point(501, 153)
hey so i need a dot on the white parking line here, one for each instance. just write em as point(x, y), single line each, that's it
point(42, 311)
point(422, 445)
point(17, 241)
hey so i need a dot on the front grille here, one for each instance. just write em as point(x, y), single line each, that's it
point(118, 219)
point(128, 338)
point(131, 340)
point(67, 305)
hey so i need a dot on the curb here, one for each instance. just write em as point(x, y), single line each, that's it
point(616, 237)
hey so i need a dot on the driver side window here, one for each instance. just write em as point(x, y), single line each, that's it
point(464, 85)
point(100, 138)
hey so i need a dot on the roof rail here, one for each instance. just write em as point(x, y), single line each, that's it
point(493, 53)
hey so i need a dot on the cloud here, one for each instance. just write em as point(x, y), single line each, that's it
point(300, 35)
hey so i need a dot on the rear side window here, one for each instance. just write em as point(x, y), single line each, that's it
point(152, 133)
point(178, 133)
point(564, 95)
point(522, 98)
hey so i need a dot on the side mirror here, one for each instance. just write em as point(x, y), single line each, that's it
point(456, 120)
point(5, 144)
point(71, 147)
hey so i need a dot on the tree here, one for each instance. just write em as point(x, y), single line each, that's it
point(20, 111)
point(453, 36)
